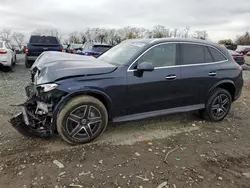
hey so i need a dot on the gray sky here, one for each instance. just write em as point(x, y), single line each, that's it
point(221, 18)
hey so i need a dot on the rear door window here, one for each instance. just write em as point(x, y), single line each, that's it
point(208, 56)
point(216, 55)
point(192, 54)
point(43, 40)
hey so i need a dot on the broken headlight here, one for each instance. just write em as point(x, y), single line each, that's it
point(47, 87)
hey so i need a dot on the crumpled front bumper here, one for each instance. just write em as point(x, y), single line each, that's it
point(24, 123)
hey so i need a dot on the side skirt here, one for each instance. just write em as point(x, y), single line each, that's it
point(158, 113)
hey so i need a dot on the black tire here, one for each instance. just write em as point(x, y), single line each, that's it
point(14, 62)
point(28, 63)
point(80, 131)
point(217, 112)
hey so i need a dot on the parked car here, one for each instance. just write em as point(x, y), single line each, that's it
point(94, 49)
point(37, 45)
point(7, 54)
point(239, 58)
point(243, 49)
point(77, 96)
point(72, 48)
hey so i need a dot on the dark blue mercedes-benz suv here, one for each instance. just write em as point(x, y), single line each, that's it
point(76, 96)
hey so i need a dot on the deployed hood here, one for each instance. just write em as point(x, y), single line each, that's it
point(53, 66)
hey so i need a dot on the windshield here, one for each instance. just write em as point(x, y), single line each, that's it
point(121, 53)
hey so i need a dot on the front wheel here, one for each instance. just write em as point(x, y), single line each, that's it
point(218, 105)
point(82, 120)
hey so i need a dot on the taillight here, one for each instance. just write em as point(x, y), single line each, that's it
point(74, 51)
point(26, 50)
point(91, 53)
point(63, 50)
point(3, 51)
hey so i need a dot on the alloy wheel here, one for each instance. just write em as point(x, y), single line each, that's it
point(83, 122)
point(220, 106)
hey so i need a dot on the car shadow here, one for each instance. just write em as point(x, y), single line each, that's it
point(6, 69)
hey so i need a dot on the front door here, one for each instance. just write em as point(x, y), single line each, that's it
point(158, 89)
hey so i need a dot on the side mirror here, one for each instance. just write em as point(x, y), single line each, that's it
point(145, 66)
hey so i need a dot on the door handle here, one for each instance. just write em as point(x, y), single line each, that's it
point(212, 73)
point(170, 77)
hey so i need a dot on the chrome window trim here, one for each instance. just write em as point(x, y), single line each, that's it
point(198, 64)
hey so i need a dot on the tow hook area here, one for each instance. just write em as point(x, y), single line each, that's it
point(30, 124)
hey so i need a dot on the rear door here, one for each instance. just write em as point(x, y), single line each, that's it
point(198, 72)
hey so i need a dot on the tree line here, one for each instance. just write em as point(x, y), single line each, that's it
point(103, 35)
point(115, 36)
point(243, 39)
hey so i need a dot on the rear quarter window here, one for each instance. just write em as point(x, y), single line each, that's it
point(43, 40)
point(217, 55)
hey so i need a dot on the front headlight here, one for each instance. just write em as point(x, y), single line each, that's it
point(48, 87)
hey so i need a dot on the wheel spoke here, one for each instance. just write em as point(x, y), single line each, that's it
point(88, 130)
point(94, 120)
point(225, 102)
point(220, 99)
point(217, 114)
point(224, 110)
point(74, 118)
point(87, 111)
point(215, 107)
point(76, 130)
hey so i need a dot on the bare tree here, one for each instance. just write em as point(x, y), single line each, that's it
point(186, 32)
point(175, 32)
point(243, 39)
point(201, 34)
point(18, 38)
point(5, 35)
point(74, 37)
point(160, 31)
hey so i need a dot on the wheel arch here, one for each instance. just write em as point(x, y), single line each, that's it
point(227, 85)
point(100, 95)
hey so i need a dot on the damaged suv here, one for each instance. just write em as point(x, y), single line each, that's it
point(76, 96)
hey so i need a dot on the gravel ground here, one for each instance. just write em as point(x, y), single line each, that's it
point(199, 153)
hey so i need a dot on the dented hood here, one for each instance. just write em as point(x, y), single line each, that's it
point(53, 66)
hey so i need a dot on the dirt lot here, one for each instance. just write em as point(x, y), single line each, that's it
point(199, 154)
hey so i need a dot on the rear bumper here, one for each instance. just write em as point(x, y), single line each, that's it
point(4, 60)
point(32, 58)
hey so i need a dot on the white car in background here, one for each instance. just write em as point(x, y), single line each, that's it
point(7, 55)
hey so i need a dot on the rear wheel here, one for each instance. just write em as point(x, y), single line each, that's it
point(82, 120)
point(218, 105)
